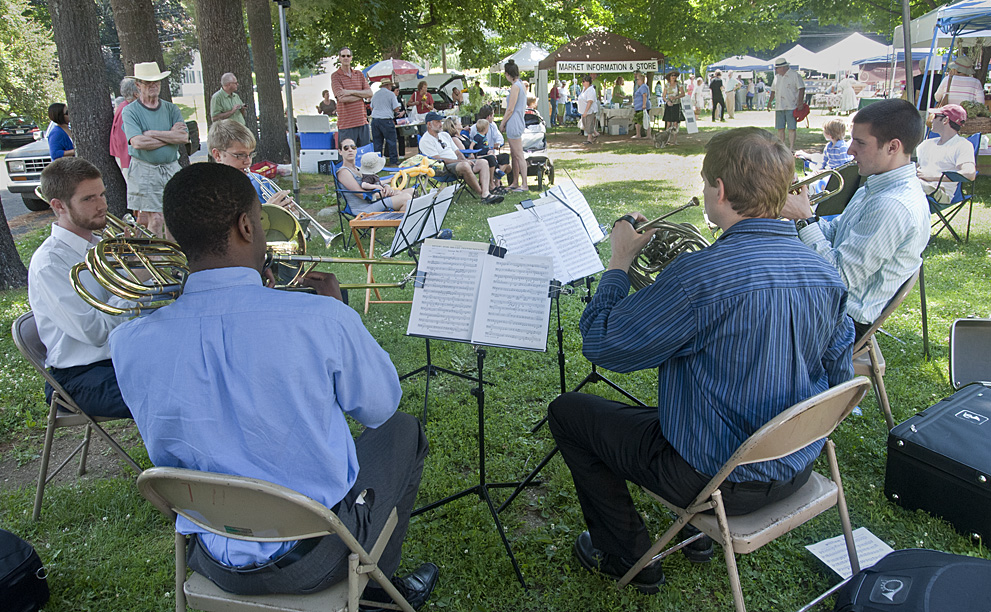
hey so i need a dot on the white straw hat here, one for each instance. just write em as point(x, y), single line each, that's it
point(148, 71)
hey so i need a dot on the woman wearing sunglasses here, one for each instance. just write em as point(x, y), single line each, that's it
point(349, 177)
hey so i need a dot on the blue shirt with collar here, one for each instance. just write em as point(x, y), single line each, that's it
point(877, 242)
point(237, 378)
point(738, 331)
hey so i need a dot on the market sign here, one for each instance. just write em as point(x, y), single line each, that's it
point(598, 67)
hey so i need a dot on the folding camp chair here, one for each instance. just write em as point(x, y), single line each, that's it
point(793, 429)
point(259, 511)
point(945, 213)
point(62, 411)
point(867, 358)
point(443, 180)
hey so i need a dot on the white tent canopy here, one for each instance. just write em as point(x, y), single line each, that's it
point(922, 28)
point(841, 56)
point(799, 57)
point(742, 62)
point(526, 58)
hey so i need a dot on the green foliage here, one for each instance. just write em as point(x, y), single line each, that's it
point(29, 76)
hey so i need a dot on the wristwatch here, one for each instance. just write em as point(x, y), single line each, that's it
point(799, 224)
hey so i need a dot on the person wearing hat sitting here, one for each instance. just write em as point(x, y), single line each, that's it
point(789, 90)
point(365, 179)
point(951, 152)
point(154, 129)
point(437, 144)
point(961, 85)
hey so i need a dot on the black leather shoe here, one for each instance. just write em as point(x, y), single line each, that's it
point(699, 551)
point(415, 587)
point(648, 581)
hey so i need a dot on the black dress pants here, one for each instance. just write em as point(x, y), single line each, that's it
point(607, 443)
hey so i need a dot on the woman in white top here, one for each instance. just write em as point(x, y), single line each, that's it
point(848, 100)
point(588, 106)
point(960, 86)
point(698, 96)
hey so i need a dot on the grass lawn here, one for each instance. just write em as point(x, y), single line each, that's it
point(106, 549)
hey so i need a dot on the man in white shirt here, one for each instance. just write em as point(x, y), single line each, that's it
point(73, 332)
point(789, 90)
point(948, 153)
point(731, 85)
point(439, 145)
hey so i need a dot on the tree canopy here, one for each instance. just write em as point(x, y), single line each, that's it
point(29, 76)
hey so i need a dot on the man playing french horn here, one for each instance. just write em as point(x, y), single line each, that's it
point(73, 332)
point(738, 331)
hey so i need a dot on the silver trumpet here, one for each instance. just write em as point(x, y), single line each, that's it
point(270, 189)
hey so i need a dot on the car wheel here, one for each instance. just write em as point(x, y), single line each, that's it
point(34, 204)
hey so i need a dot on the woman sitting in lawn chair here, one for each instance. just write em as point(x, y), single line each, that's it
point(357, 186)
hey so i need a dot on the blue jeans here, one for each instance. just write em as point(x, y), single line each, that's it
point(384, 135)
point(553, 113)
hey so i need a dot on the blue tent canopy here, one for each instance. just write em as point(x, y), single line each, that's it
point(917, 55)
point(964, 17)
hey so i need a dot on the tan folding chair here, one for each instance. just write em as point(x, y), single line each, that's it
point(793, 429)
point(867, 358)
point(62, 412)
point(259, 511)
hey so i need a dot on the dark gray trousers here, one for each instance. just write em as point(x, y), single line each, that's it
point(390, 460)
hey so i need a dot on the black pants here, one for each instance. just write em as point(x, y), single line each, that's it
point(93, 387)
point(607, 443)
point(384, 139)
point(718, 101)
point(390, 459)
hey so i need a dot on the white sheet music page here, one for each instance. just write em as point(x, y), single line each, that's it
point(571, 241)
point(445, 306)
point(569, 192)
point(514, 303)
point(522, 233)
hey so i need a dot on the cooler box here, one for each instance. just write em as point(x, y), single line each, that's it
point(309, 159)
point(312, 123)
point(315, 140)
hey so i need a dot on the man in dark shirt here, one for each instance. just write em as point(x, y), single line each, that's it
point(716, 87)
point(765, 329)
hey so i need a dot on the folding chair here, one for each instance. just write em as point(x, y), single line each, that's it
point(835, 204)
point(945, 213)
point(259, 511)
point(867, 358)
point(793, 429)
point(442, 180)
point(62, 411)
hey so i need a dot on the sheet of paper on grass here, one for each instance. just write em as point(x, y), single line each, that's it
point(832, 552)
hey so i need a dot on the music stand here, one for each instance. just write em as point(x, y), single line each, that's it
point(422, 219)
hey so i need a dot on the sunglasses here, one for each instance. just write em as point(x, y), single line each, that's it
point(349, 148)
point(342, 55)
point(241, 156)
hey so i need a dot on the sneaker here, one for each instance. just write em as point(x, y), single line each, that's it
point(699, 551)
point(648, 581)
point(415, 588)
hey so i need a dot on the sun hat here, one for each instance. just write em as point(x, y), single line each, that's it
point(963, 64)
point(148, 71)
point(953, 112)
point(372, 163)
point(432, 116)
point(780, 62)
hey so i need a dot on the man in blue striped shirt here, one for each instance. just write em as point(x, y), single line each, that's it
point(877, 243)
point(738, 331)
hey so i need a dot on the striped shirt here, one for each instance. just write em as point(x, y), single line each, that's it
point(738, 331)
point(963, 88)
point(877, 242)
point(835, 155)
point(349, 114)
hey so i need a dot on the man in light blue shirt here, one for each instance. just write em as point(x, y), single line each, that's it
point(246, 380)
point(877, 243)
point(385, 105)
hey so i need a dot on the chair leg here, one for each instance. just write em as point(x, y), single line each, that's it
point(46, 455)
point(353, 591)
point(882, 395)
point(82, 459)
point(834, 472)
point(728, 552)
point(180, 572)
point(970, 213)
point(654, 550)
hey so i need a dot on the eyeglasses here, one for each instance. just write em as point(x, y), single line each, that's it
point(242, 156)
point(349, 148)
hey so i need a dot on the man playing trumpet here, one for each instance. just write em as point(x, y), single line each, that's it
point(232, 144)
point(738, 331)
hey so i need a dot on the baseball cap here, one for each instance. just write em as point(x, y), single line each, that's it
point(432, 116)
point(953, 112)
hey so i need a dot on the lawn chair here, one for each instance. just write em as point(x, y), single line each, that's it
point(793, 429)
point(945, 213)
point(443, 180)
point(259, 511)
point(867, 358)
point(62, 411)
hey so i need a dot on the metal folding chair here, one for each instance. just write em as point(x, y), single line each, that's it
point(945, 213)
point(62, 411)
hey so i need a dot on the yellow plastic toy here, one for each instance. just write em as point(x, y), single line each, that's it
point(401, 178)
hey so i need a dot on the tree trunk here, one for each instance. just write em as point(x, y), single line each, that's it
point(138, 35)
point(273, 145)
point(87, 91)
point(13, 274)
point(224, 48)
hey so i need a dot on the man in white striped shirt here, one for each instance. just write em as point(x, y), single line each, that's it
point(877, 243)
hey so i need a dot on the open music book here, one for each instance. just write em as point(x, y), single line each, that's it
point(465, 294)
point(549, 228)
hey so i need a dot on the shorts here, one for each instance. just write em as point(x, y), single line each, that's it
point(146, 182)
point(783, 117)
point(451, 167)
point(588, 124)
point(383, 205)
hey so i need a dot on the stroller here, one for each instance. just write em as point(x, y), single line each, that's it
point(534, 145)
point(571, 114)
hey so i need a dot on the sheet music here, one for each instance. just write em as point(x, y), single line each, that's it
point(549, 230)
point(518, 309)
point(445, 306)
point(570, 193)
point(832, 551)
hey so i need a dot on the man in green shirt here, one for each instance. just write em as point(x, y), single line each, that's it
point(226, 104)
point(154, 129)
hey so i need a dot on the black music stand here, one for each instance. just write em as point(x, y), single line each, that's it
point(482, 488)
point(425, 223)
point(592, 377)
